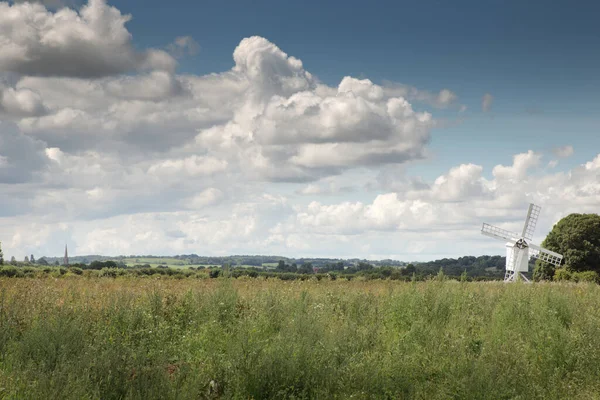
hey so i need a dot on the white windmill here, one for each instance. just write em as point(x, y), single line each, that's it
point(519, 248)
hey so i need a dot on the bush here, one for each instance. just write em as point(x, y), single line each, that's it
point(111, 272)
point(586, 276)
point(562, 274)
point(91, 273)
point(8, 271)
point(76, 270)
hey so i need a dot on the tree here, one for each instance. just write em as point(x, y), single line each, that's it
point(577, 238)
point(26, 260)
point(1, 255)
point(363, 266)
point(305, 268)
point(43, 261)
point(409, 270)
point(13, 260)
point(31, 259)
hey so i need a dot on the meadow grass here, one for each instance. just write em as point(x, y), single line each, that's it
point(149, 338)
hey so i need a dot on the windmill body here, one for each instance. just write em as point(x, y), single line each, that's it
point(519, 247)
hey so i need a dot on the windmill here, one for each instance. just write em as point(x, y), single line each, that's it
point(519, 248)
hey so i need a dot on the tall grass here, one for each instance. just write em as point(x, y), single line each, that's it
point(129, 338)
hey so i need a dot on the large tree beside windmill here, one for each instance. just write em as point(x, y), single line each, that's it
point(577, 237)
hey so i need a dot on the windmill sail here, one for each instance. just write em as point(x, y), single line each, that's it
point(499, 233)
point(532, 217)
point(545, 255)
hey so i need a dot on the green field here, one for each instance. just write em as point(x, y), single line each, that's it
point(133, 338)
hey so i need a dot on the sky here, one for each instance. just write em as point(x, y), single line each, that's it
point(302, 129)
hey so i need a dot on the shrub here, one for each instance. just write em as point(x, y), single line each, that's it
point(76, 270)
point(111, 272)
point(9, 271)
point(562, 274)
point(586, 276)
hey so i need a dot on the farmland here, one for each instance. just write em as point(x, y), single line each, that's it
point(79, 337)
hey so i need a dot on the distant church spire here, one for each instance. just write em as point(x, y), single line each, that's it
point(66, 259)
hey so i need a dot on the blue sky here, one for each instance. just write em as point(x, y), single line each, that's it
point(118, 138)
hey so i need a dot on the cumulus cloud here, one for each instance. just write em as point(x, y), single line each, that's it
point(155, 86)
point(459, 201)
point(563, 151)
point(313, 133)
point(48, 3)
point(20, 156)
point(182, 46)
point(90, 43)
point(443, 99)
point(207, 197)
point(190, 166)
point(15, 103)
point(328, 187)
point(486, 102)
point(521, 164)
point(267, 116)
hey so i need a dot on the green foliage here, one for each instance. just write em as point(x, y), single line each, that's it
point(214, 273)
point(111, 272)
point(587, 276)
point(577, 238)
point(562, 274)
point(543, 271)
point(9, 271)
point(76, 270)
point(440, 276)
point(491, 267)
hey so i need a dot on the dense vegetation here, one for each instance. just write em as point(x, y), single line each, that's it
point(469, 268)
point(89, 338)
point(111, 269)
point(577, 238)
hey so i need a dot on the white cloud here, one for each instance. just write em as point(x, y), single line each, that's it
point(458, 201)
point(521, 164)
point(22, 156)
point(190, 166)
point(486, 102)
point(183, 45)
point(47, 3)
point(445, 98)
point(207, 197)
point(90, 43)
point(314, 133)
point(157, 85)
point(594, 164)
point(15, 103)
point(563, 151)
point(267, 117)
